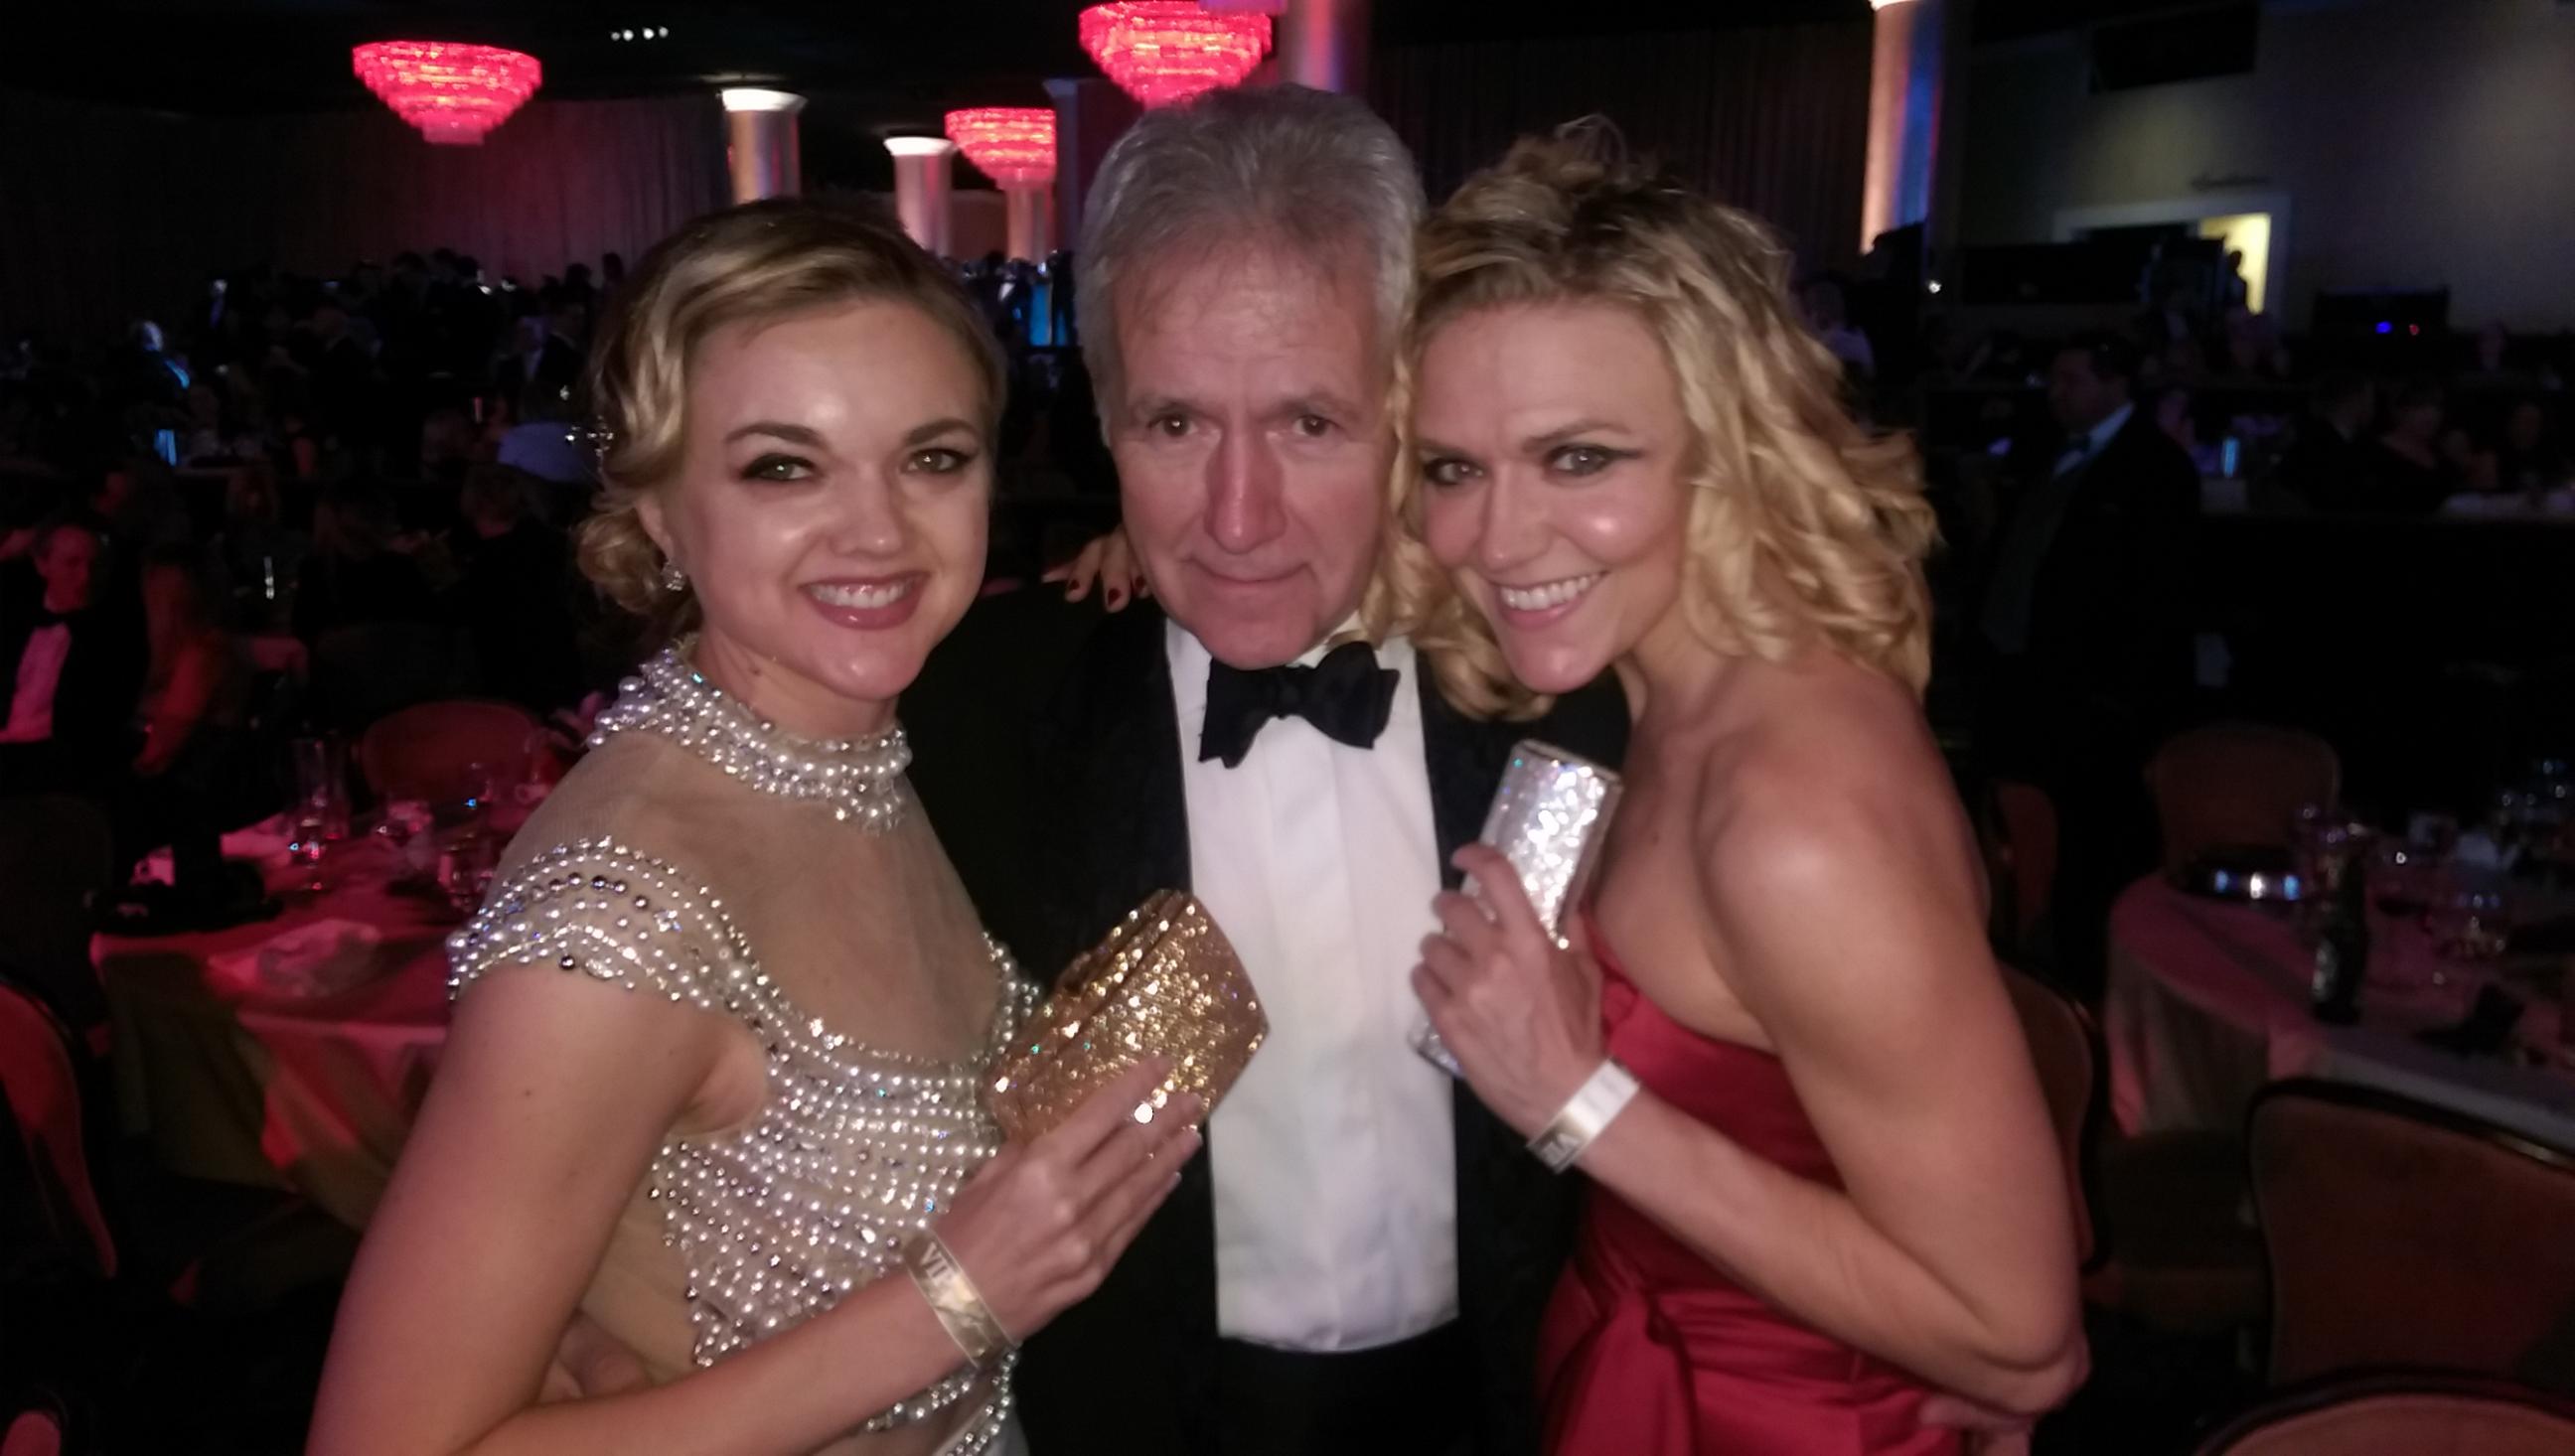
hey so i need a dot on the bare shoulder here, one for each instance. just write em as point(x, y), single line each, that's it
point(1838, 872)
point(1826, 774)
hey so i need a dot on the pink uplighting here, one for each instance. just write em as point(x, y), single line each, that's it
point(1165, 51)
point(1012, 145)
point(452, 93)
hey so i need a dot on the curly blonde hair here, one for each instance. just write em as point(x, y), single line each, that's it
point(1804, 528)
point(756, 261)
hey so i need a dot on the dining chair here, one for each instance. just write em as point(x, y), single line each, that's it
point(426, 752)
point(40, 1084)
point(2064, 1048)
point(57, 861)
point(2235, 783)
point(2173, 1246)
point(36, 1427)
point(2401, 1413)
point(366, 673)
point(2019, 831)
point(2400, 1233)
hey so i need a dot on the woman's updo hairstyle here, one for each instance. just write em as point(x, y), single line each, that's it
point(760, 260)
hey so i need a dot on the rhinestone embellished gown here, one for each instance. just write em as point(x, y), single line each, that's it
point(791, 888)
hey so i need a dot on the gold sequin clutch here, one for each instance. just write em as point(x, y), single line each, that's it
point(1164, 984)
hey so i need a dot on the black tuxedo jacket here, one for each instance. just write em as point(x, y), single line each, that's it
point(1078, 827)
point(95, 696)
point(2110, 615)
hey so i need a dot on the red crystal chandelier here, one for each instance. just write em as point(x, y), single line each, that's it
point(1012, 145)
point(1162, 51)
point(453, 93)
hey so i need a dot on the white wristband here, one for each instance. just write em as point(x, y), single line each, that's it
point(1584, 1115)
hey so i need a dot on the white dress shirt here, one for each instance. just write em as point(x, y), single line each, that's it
point(2092, 442)
point(1333, 1161)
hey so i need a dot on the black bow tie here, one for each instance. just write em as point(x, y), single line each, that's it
point(1347, 696)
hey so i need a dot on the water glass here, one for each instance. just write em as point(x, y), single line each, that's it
point(321, 784)
point(466, 797)
point(2470, 922)
point(307, 845)
point(2325, 845)
point(466, 864)
point(404, 826)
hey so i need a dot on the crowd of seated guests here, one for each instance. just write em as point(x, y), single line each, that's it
point(308, 501)
point(2078, 628)
point(2469, 424)
point(209, 534)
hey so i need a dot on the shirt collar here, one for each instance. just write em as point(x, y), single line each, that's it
point(2111, 424)
point(1191, 659)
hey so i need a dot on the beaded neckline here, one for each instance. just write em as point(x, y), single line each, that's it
point(860, 778)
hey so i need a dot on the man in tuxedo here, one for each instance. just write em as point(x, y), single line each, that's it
point(2328, 466)
point(75, 669)
point(2087, 628)
point(1360, 1261)
point(548, 351)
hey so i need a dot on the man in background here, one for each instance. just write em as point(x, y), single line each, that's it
point(2086, 625)
point(74, 669)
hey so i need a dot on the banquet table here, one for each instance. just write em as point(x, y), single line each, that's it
point(238, 1073)
point(2207, 1001)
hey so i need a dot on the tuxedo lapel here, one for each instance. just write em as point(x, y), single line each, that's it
point(1114, 824)
point(1465, 763)
point(1514, 1219)
point(1116, 827)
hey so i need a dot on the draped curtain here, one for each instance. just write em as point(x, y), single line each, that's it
point(1771, 119)
point(108, 210)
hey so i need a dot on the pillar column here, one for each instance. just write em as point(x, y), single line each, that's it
point(1324, 44)
point(920, 188)
point(1032, 214)
point(1903, 115)
point(761, 144)
point(1091, 113)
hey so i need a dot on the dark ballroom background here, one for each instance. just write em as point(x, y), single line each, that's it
point(2235, 337)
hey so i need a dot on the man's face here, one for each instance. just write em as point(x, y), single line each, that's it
point(68, 565)
point(1252, 443)
point(2079, 395)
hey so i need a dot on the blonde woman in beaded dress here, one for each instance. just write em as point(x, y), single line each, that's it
point(713, 1084)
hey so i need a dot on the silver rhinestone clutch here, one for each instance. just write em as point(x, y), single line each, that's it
point(1548, 818)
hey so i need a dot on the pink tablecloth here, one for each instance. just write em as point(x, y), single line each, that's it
point(2207, 1001)
point(247, 1084)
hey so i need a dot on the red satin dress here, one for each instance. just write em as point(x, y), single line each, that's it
point(1647, 1350)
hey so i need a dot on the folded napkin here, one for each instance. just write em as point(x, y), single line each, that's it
point(262, 842)
point(317, 958)
point(2486, 1029)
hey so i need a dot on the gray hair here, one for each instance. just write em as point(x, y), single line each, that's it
point(1307, 170)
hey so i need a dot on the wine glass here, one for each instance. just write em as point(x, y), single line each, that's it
point(321, 810)
point(2470, 922)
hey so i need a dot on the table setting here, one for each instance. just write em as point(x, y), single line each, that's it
point(294, 1051)
point(2428, 961)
